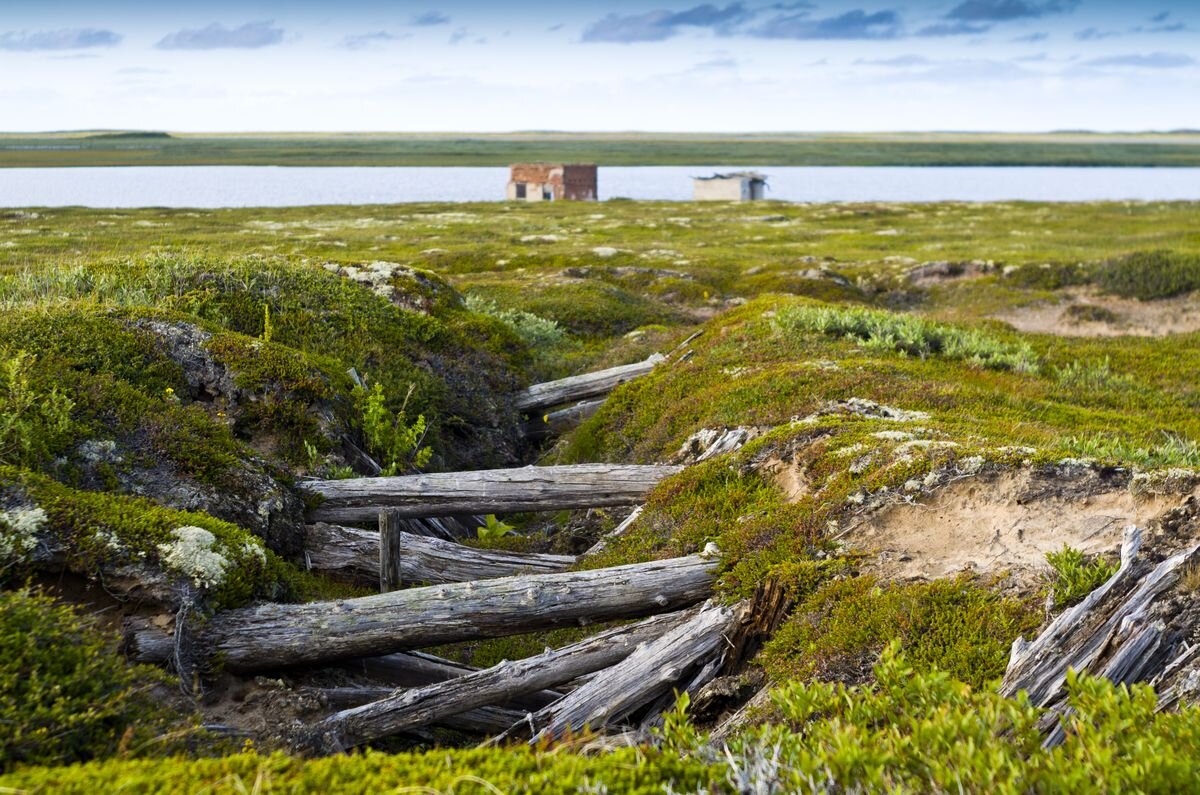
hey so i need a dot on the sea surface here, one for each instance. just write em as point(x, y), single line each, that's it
point(272, 186)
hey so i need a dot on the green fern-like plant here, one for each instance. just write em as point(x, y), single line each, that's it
point(389, 435)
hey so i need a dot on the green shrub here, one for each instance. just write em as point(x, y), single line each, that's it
point(1075, 576)
point(35, 419)
point(948, 625)
point(65, 696)
point(389, 434)
point(1147, 275)
point(909, 335)
point(535, 331)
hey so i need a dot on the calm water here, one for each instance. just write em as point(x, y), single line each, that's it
point(266, 186)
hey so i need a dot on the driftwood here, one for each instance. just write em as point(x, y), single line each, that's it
point(407, 709)
point(556, 423)
point(276, 635)
point(351, 554)
point(487, 491)
point(579, 387)
point(681, 657)
point(1116, 632)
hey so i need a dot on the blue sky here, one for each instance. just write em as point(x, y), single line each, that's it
point(797, 65)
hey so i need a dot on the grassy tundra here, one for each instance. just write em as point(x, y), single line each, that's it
point(609, 149)
point(914, 378)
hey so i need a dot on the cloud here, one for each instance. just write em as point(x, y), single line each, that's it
point(953, 29)
point(1007, 10)
point(1031, 38)
point(856, 24)
point(899, 61)
point(1154, 60)
point(141, 70)
point(715, 63)
point(459, 35)
point(1161, 16)
point(964, 71)
point(429, 19)
point(662, 24)
point(251, 36)
point(362, 41)
point(1095, 34)
point(65, 39)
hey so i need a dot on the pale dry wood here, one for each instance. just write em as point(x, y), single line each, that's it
point(617, 532)
point(417, 669)
point(484, 720)
point(272, 636)
point(351, 554)
point(648, 673)
point(1108, 634)
point(560, 421)
point(489, 491)
point(580, 387)
point(406, 709)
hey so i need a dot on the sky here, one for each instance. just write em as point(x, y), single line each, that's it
point(653, 65)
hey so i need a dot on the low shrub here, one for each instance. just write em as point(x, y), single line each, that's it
point(1075, 575)
point(1147, 275)
point(909, 335)
point(65, 696)
point(948, 625)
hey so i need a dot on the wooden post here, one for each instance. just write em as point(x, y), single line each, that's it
point(390, 536)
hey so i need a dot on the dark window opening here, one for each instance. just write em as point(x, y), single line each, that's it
point(520, 190)
point(547, 194)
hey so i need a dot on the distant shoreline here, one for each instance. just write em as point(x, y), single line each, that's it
point(68, 149)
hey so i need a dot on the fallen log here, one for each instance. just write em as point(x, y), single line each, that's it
point(579, 387)
point(484, 720)
point(617, 532)
point(273, 636)
point(486, 491)
point(350, 554)
point(1079, 636)
point(645, 675)
point(407, 709)
point(556, 423)
point(417, 669)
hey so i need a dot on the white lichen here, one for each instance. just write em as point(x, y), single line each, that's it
point(19, 530)
point(893, 436)
point(971, 465)
point(193, 553)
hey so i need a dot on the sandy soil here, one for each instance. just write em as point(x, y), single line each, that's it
point(1002, 523)
point(1129, 316)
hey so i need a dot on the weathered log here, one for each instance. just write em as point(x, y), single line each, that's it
point(579, 387)
point(556, 423)
point(1083, 636)
point(484, 720)
point(277, 635)
point(351, 554)
point(417, 669)
point(645, 675)
point(487, 491)
point(407, 709)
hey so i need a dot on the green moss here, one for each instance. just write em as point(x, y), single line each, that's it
point(64, 695)
point(97, 530)
point(948, 625)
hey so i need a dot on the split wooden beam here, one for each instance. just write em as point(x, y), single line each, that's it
point(273, 636)
point(685, 657)
point(484, 720)
point(540, 397)
point(353, 555)
point(404, 710)
point(488, 491)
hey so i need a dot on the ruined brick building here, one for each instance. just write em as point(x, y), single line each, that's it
point(536, 182)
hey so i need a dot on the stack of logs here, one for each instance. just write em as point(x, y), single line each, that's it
point(624, 676)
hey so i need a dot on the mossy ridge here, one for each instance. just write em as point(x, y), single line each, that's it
point(96, 530)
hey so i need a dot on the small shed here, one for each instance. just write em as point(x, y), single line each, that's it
point(536, 182)
point(736, 186)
